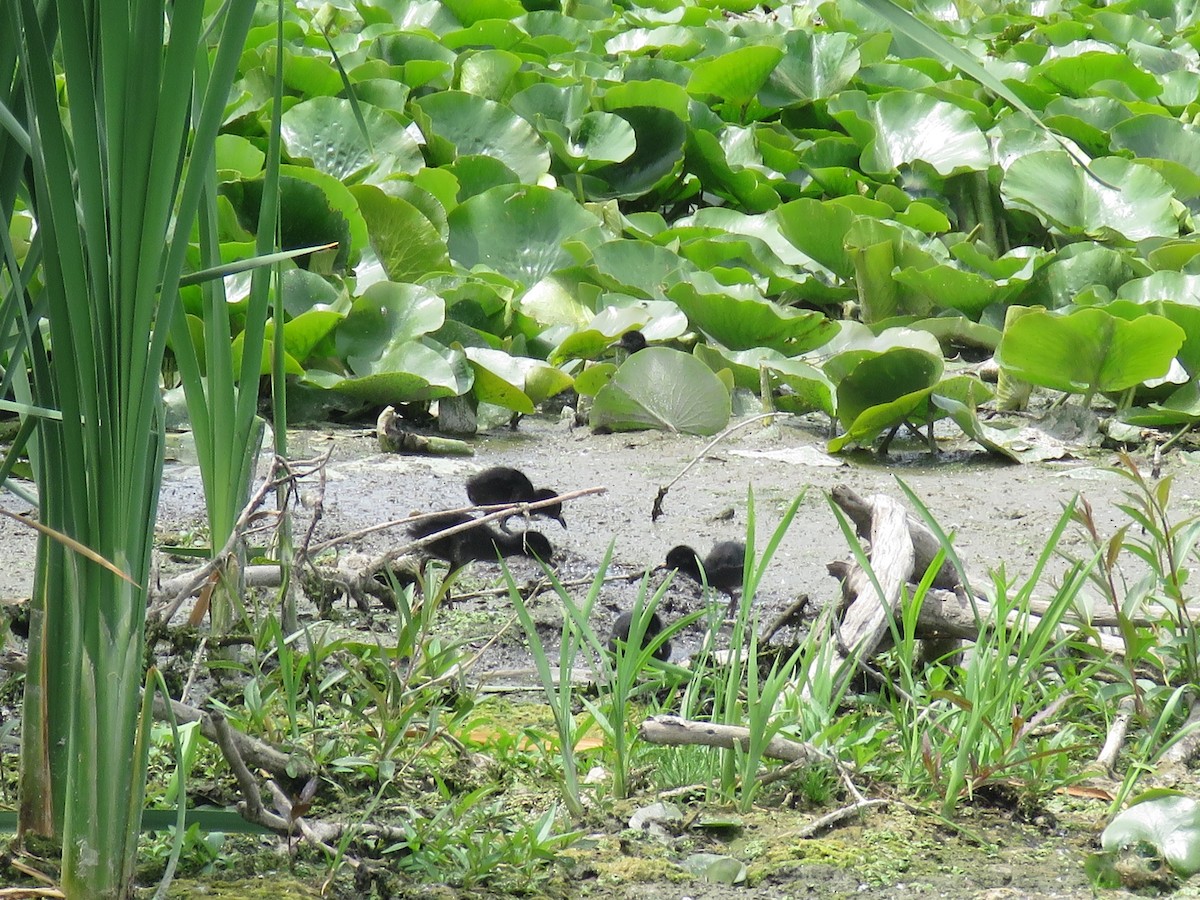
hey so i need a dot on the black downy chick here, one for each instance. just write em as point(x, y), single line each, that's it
point(478, 543)
point(504, 484)
point(724, 566)
point(632, 341)
point(620, 632)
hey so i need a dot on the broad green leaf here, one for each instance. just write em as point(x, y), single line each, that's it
point(815, 65)
point(477, 126)
point(657, 160)
point(907, 127)
point(740, 323)
point(1088, 351)
point(890, 385)
point(1079, 75)
point(1050, 185)
point(518, 233)
point(638, 266)
point(819, 230)
point(325, 131)
point(236, 154)
point(1168, 821)
point(664, 389)
point(384, 317)
point(948, 288)
point(516, 383)
point(735, 76)
point(595, 139)
point(407, 244)
point(407, 373)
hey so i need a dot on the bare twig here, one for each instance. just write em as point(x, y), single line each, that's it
point(838, 815)
point(674, 731)
point(656, 510)
point(251, 793)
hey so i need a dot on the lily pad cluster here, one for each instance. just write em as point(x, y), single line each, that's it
point(797, 200)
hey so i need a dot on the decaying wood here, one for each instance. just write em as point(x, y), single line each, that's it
point(925, 543)
point(675, 731)
point(1107, 757)
point(866, 619)
point(255, 752)
point(1187, 747)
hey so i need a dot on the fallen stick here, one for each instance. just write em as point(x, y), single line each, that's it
point(674, 731)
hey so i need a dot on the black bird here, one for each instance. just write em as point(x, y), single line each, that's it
point(723, 567)
point(504, 484)
point(478, 543)
point(632, 341)
point(620, 632)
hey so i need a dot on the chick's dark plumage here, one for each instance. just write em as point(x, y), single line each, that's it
point(504, 484)
point(478, 543)
point(723, 567)
point(620, 632)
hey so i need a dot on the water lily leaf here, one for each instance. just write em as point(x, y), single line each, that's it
point(745, 186)
point(310, 213)
point(740, 324)
point(714, 868)
point(1168, 821)
point(819, 230)
point(593, 378)
point(595, 139)
point(664, 389)
point(1051, 186)
point(407, 244)
point(488, 73)
point(518, 234)
point(516, 383)
point(406, 373)
point(742, 364)
point(303, 290)
point(325, 131)
point(889, 386)
point(945, 287)
point(1077, 75)
point(386, 316)
point(803, 388)
point(815, 65)
point(477, 126)
point(1181, 407)
point(1159, 137)
point(905, 126)
point(735, 76)
point(638, 266)
point(237, 155)
point(657, 160)
point(1089, 350)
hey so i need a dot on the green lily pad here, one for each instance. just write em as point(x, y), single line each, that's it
point(1051, 186)
point(407, 244)
point(594, 140)
point(477, 126)
point(815, 65)
point(386, 316)
point(664, 389)
point(735, 76)
point(657, 159)
point(1168, 821)
point(740, 323)
point(516, 383)
point(325, 131)
point(406, 373)
point(887, 386)
point(518, 233)
point(1089, 350)
point(902, 127)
